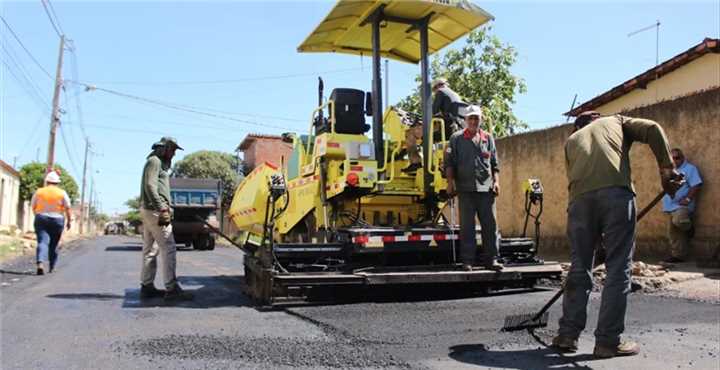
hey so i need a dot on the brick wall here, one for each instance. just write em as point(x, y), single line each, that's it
point(691, 123)
point(269, 150)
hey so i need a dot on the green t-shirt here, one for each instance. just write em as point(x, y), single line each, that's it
point(155, 187)
point(598, 155)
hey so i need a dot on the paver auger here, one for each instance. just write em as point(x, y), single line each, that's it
point(340, 211)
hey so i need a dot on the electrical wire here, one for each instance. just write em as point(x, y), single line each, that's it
point(103, 127)
point(76, 76)
point(44, 106)
point(48, 9)
point(229, 81)
point(67, 150)
point(15, 60)
point(12, 32)
point(174, 106)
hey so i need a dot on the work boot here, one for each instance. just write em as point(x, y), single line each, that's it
point(412, 167)
point(149, 291)
point(40, 269)
point(494, 266)
point(565, 344)
point(176, 293)
point(627, 348)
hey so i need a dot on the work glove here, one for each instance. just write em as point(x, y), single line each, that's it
point(164, 218)
point(671, 180)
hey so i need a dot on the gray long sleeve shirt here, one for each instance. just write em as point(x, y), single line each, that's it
point(155, 187)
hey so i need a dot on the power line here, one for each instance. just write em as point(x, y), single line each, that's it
point(12, 32)
point(103, 127)
point(57, 27)
point(239, 80)
point(27, 86)
point(179, 107)
point(76, 76)
point(67, 150)
point(12, 57)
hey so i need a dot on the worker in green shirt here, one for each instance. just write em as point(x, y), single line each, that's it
point(156, 215)
point(602, 208)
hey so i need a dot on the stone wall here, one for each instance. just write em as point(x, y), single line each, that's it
point(691, 123)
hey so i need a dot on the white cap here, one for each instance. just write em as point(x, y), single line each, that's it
point(473, 110)
point(52, 178)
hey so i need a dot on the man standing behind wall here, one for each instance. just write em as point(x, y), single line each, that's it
point(681, 208)
point(157, 216)
point(472, 169)
point(602, 208)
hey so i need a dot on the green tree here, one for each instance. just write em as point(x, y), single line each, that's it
point(480, 73)
point(32, 177)
point(206, 164)
point(133, 214)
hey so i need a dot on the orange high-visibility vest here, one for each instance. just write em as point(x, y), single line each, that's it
point(49, 199)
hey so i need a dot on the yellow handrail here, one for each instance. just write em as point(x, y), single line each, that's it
point(331, 104)
point(431, 162)
point(392, 164)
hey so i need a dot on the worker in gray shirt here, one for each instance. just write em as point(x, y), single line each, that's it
point(156, 215)
point(472, 170)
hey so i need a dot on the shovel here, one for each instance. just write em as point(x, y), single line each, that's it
point(540, 319)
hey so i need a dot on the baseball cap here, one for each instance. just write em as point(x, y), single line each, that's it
point(473, 110)
point(438, 81)
point(165, 140)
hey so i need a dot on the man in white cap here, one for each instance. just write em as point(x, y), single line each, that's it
point(447, 105)
point(472, 171)
point(156, 215)
point(51, 206)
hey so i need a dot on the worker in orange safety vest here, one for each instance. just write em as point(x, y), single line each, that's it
point(51, 206)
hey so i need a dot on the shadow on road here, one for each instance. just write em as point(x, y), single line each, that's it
point(545, 358)
point(10, 272)
point(330, 296)
point(208, 292)
point(87, 296)
point(135, 247)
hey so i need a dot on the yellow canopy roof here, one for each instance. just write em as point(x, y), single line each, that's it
point(341, 30)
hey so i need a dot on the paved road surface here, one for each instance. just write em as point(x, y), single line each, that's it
point(88, 315)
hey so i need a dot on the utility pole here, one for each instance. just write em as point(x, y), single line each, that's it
point(90, 202)
point(55, 118)
point(82, 191)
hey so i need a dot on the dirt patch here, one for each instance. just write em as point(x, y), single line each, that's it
point(646, 278)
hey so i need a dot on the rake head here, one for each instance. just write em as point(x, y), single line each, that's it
point(528, 321)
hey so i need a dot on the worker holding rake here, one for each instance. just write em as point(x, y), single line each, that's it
point(602, 208)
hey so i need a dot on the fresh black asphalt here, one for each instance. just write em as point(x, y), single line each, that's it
point(88, 315)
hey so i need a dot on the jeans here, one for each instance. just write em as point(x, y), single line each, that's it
point(157, 240)
point(609, 215)
point(48, 230)
point(482, 205)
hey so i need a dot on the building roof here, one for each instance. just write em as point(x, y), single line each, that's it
point(248, 140)
point(642, 80)
point(9, 169)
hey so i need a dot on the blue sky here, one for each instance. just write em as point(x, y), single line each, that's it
point(149, 48)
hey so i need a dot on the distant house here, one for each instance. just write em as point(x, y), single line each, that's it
point(694, 70)
point(260, 148)
point(9, 196)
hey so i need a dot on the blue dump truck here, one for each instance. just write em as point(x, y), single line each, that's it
point(193, 199)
